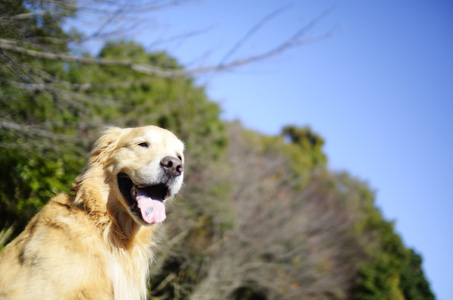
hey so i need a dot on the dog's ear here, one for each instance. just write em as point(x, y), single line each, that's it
point(102, 149)
point(101, 152)
point(105, 145)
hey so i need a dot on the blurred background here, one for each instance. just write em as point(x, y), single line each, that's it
point(318, 135)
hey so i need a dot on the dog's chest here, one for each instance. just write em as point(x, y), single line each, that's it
point(129, 273)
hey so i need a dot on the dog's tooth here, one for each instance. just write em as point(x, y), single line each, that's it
point(134, 191)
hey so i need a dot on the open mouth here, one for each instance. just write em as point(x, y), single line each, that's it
point(146, 202)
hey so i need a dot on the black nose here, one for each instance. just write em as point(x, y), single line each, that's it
point(172, 166)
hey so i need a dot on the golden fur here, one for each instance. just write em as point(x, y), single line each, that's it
point(91, 244)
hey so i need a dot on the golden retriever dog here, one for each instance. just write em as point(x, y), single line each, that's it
point(96, 242)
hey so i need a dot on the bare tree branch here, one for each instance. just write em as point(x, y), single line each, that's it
point(251, 32)
point(9, 45)
point(293, 41)
point(31, 130)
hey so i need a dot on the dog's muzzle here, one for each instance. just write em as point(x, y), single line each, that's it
point(146, 201)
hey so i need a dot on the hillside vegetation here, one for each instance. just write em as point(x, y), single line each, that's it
point(259, 217)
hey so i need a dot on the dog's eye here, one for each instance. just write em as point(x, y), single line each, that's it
point(144, 145)
point(179, 157)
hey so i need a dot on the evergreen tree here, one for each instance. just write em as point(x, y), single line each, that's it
point(309, 142)
point(413, 283)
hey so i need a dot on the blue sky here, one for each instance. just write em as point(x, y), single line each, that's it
point(380, 93)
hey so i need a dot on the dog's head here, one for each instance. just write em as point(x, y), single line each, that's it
point(145, 166)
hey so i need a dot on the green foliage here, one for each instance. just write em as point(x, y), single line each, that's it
point(309, 142)
point(35, 163)
point(28, 181)
point(413, 282)
point(379, 276)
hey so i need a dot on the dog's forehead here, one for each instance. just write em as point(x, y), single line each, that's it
point(157, 135)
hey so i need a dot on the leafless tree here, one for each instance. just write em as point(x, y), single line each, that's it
point(285, 241)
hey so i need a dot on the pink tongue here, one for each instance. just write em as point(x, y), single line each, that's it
point(153, 211)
